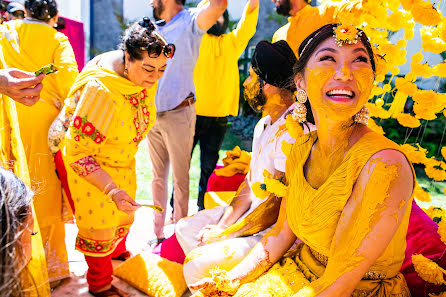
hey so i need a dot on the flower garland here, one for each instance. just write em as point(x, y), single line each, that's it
point(270, 186)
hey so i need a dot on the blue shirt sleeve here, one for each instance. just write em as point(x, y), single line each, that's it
point(193, 25)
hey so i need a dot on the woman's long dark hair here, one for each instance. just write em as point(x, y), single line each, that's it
point(309, 45)
point(15, 199)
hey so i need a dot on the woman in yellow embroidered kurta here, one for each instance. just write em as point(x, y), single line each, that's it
point(350, 189)
point(30, 44)
point(114, 113)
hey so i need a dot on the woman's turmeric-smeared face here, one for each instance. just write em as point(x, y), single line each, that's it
point(338, 79)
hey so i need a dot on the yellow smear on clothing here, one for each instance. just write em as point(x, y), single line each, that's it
point(358, 225)
point(254, 222)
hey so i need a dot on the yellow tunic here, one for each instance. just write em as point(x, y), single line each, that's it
point(216, 74)
point(29, 45)
point(12, 156)
point(314, 215)
point(310, 18)
point(111, 118)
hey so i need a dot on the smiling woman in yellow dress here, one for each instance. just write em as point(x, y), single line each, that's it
point(30, 44)
point(111, 109)
point(350, 189)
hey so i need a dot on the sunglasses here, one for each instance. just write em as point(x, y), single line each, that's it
point(18, 14)
point(154, 49)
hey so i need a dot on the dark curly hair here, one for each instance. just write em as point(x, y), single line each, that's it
point(137, 36)
point(15, 199)
point(309, 45)
point(42, 10)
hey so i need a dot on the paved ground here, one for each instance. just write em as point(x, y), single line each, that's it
point(140, 233)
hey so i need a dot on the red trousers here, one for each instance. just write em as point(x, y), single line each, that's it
point(62, 173)
point(100, 269)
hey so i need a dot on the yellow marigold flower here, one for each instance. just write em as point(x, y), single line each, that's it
point(377, 90)
point(424, 13)
point(442, 230)
point(372, 125)
point(415, 154)
point(346, 34)
point(423, 70)
point(437, 214)
point(439, 69)
point(421, 194)
point(428, 270)
point(430, 36)
point(293, 127)
point(436, 170)
point(417, 58)
point(405, 86)
point(407, 120)
point(276, 187)
point(258, 191)
point(377, 112)
point(410, 77)
point(443, 152)
point(407, 4)
point(424, 112)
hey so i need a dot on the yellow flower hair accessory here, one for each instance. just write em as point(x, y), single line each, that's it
point(428, 270)
point(346, 34)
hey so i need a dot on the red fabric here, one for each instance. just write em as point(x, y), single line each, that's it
point(100, 269)
point(422, 238)
point(74, 30)
point(62, 173)
point(170, 249)
point(221, 183)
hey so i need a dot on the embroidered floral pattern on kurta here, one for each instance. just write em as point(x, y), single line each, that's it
point(85, 166)
point(142, 116)
point(85, 129)
point(101, 246)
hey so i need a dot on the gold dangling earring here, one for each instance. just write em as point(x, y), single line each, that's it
point(300, 111)
point(126, 69)
point(362, 117)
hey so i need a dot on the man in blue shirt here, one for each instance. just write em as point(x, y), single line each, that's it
point(171, 138)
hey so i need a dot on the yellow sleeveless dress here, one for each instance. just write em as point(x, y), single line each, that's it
point(314, 214)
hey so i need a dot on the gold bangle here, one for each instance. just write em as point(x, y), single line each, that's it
point(106, 191)
point(112, 193)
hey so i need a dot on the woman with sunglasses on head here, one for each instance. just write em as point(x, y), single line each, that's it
point(109, 111)
point(350, 189)
point(29, 45)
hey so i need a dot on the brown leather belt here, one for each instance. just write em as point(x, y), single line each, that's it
point(186, 102)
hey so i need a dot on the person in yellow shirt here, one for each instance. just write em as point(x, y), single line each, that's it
point(30, 44)
point(217, 85)
point(305, 19)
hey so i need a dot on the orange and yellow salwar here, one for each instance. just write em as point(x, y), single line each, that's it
point(314, 215)
point(28, 45)
point(12, 156)
point(111, 118)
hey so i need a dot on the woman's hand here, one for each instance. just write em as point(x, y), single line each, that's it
point(209, 234)
point(219, 285)
point(124, 202)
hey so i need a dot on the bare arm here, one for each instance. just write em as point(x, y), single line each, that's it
point(239, 205)
point(379, 199)
point(210, 13)
point(21, 86)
